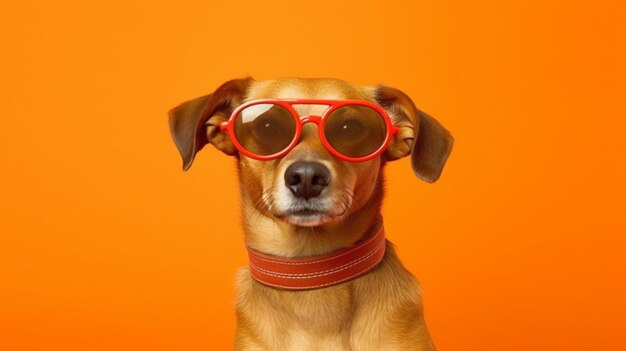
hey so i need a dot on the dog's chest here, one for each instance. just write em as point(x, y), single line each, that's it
point(287, 320)
point(316, 314)
point(318, 320)
point(298, 339)
point(313, 321)
point(367, 314)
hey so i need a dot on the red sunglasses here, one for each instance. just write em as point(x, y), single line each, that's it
point(351, 130)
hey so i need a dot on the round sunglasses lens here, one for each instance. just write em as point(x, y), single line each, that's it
point(355, 131)
point(265, 129)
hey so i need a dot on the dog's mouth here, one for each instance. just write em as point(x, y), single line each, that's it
point(316, 211)
point(305, 217)
point(309, 216)
point(307, 212)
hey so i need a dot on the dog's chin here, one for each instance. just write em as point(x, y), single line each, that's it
point(311, 212)
point(307, 218)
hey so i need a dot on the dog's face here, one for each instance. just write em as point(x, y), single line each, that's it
point(309, 187)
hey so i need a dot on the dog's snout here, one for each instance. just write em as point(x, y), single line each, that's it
point(307, 179)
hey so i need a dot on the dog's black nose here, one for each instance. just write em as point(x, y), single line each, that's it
point(307, 179)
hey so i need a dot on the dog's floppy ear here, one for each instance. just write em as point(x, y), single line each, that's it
point(428, 142)
point(195, 123)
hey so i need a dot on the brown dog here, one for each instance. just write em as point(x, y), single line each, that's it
point(379, 310)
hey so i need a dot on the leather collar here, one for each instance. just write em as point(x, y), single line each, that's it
point(320, 271)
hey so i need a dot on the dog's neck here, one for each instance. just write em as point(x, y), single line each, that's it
point(320, 271)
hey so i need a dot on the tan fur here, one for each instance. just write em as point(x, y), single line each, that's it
point(379, 311)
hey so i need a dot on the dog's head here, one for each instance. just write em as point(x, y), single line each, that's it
point(309, 187)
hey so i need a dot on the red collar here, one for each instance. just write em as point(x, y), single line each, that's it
point(320, 271)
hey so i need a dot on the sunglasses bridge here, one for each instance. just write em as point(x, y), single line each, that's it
point(310, 119)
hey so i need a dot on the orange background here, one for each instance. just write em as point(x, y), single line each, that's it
point(107, 245)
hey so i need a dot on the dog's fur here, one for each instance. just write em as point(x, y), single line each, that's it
point(381, 310)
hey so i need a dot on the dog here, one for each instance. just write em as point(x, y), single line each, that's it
point(310, 212)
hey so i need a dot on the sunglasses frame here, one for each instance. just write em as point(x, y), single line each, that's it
point(229, 126)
